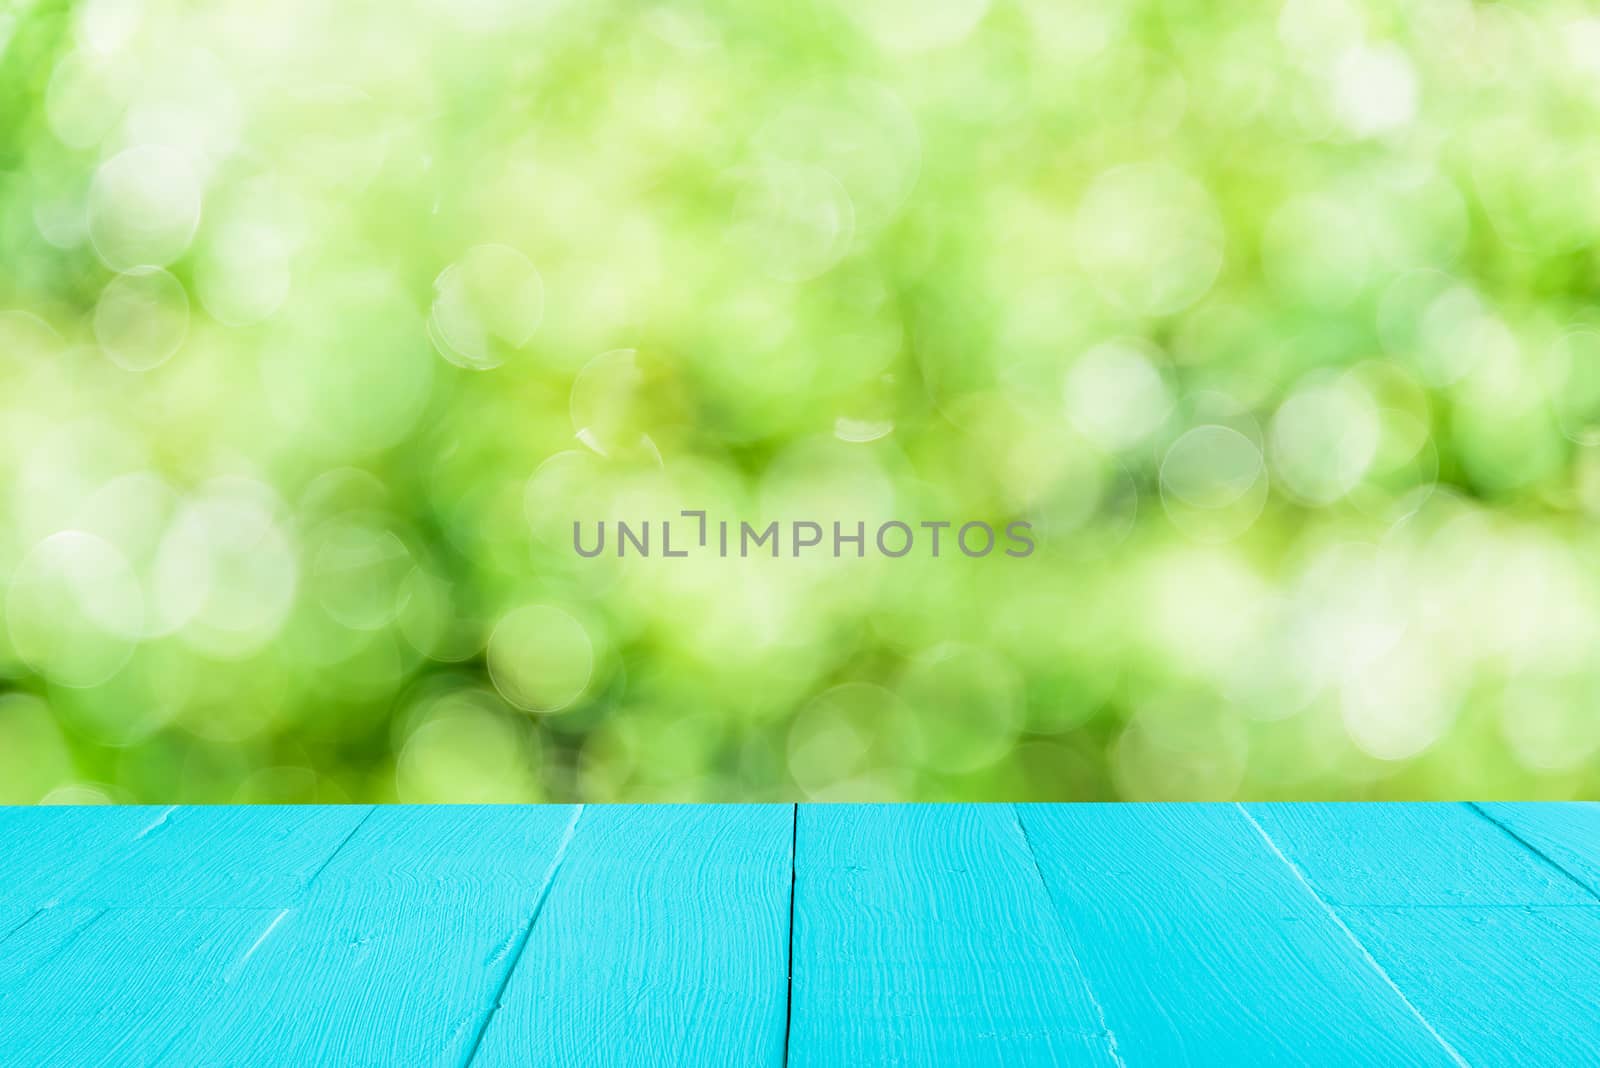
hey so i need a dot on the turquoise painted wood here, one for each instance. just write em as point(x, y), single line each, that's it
point(1416, 854)
point(931, 932)
point(1124, 935)
point(1504, 986)
point(222, 857)
point(1565, 834)
point(422, 914)
point(49, 852)
point(113, 987)
point(664, 939)
point(1493, 943)
point(1204, 948)
point(12, 917)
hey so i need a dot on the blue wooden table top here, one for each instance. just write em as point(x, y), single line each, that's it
point(827, 936)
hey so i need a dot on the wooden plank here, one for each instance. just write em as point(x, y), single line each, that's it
point(501, 936)
point(1203, 947)
point(1412, 854)
point(458, 855)
point(400, 948)
point(12, 917)
point(924, 935)
point(252, 856)
point(50, 849)
point(1489, 940)
point(1504, 985)
point(115, 987)
point(34, 941)
point(1567, 833)
point(359, 987)
point(664, 940)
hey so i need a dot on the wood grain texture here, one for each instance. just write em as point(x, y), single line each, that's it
point(49, 850)
point(460, 855)
point(924, 935)
point(1137, 935)
point(1205, 948)
point(1489, 940)
point(399, 949)
point(1505, 986)
point(663, 941)
point(12, 917)
point(220, 856)
point(86, 988)
point(35, 941)
point(1412, 854)
point(1566, 833)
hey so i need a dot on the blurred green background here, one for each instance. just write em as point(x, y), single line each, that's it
point(321, 322)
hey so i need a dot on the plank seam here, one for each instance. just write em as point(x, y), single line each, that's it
point(1535, 850)
point(1338, 922)
point(66, 943)
point(26, 921)
point(362, 822)
point(788, 990)
point(1088, 987)
point(522, 940)
point(34, 915)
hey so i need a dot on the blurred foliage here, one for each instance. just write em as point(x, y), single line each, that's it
point(323, 322)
